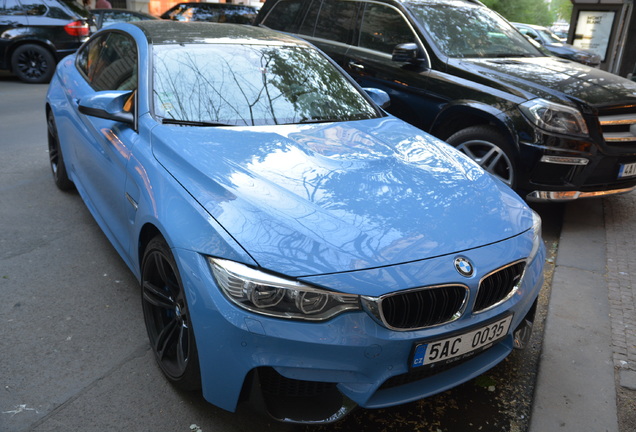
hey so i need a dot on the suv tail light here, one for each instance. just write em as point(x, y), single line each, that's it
point(77, 28)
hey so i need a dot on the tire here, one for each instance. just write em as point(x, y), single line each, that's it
point(490, 149)
point(167, 317)
point(33, 63)
point(56, 159)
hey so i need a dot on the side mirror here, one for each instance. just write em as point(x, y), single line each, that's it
point(108, 105)
point(409, 53)
point(378, 96)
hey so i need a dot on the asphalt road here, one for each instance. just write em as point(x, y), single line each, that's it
point(74, 354)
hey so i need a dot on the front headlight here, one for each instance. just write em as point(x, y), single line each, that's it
point(536, 236)
point(266, 294)
point(587, 57)
point(554, 117)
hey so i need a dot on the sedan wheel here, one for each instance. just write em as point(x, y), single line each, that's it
point(33, 64)
point(489, 148)
point(167, 316)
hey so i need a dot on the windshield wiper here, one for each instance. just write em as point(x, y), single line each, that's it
point(501, 55)
point(319, 120)
point(191, 122)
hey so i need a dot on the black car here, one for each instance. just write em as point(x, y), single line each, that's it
point(36, 34)
point(106, 17)
point(211, 12)
point(550, 128)
point(550, 41)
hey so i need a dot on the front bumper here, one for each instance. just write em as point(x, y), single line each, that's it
point(316, 372)
point(558, 172)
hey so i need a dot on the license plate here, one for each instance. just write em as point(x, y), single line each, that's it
point(627, 170)
point(460, 345)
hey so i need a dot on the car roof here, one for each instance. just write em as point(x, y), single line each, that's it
point(159, 32)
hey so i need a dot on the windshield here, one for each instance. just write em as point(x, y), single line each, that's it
point(463, 30)
point(238, 85)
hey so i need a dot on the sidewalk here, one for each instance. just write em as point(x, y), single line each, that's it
point(589, 347)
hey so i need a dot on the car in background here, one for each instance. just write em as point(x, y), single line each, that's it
point(36, 34)
point(211, 12)
point(106, 17)
point(553, 43)
point(550, 128)
point(296, 246)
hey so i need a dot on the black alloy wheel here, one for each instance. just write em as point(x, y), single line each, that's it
point(33, 63)
point(60, 176)
point(167, 317)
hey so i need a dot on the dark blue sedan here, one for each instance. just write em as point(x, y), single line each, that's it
point(296, 246)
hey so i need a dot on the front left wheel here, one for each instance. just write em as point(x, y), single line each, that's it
point(490, 149)
point(56, 159)
point(167, 316)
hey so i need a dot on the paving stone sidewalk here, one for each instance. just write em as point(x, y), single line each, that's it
point(620, 225)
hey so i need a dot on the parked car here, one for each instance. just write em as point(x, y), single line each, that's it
point(555, 46)
point(211, 12)
point(550, 128)
point(295, 245)
point(106, 17)
point(36, 34)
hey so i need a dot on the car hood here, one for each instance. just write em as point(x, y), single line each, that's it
point(327, 198)
point(554, 79)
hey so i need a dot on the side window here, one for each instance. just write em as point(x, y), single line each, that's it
point(58, 10)
point(109, 62)
point(34, 7)
point(531, 33)
point(284, 16)
point(11, 8)
point(383, 28)
point(336, 20)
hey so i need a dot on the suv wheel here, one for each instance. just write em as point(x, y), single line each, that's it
point(489, 148)
point(33, 63)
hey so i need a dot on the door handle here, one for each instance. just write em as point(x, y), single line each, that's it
point(355, 66)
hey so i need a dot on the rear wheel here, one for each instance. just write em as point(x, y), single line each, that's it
point(33, 63)
point(167, 316)
point(60, 176)
point(490, 149)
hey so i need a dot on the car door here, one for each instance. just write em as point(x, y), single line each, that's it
point(13, 21)
point(381, 28)
point(102, 147)
point(330, 25)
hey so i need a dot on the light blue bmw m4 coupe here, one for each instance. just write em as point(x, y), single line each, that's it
point(296, 246)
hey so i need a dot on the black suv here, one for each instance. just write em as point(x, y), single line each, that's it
point(211, 12)
point(36, 34)
point(550, 128)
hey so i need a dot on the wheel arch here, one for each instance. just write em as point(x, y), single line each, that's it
point(463, 114)
point(146, 234)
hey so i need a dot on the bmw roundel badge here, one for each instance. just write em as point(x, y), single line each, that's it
point(464, 267)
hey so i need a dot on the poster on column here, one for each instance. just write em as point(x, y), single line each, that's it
point(593, 31)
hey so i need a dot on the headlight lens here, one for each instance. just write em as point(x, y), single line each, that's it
point(537, 238)
point(555, 117)
point(274, 296)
